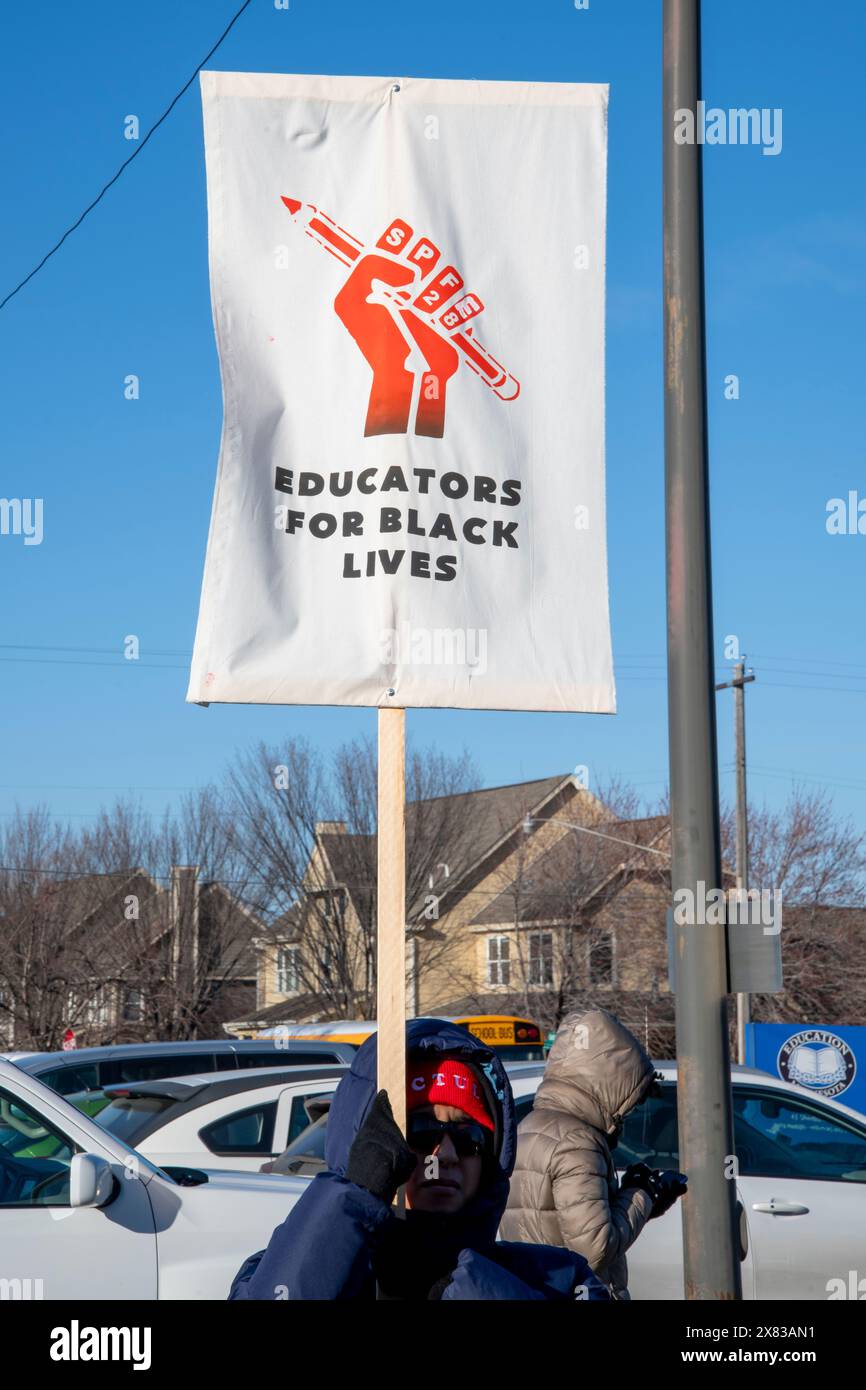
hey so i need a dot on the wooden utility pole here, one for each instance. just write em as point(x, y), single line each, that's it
point(738, 685)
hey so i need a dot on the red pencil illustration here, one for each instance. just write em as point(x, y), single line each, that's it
point(423, 302)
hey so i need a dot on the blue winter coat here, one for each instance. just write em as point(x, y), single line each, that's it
point(335, 1242)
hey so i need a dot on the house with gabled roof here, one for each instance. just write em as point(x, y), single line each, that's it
point(120, 957)
point(571, 912)
point(536, 900)
point(518, 891)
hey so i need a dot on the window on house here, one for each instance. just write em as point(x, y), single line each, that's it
point(541, 958)
point(324, 960)
point(601, 962)
point(498, 960)
point(97, 1010)
point(133, 1005)
point(288, 960)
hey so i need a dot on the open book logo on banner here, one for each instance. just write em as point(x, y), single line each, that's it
point(411, 320)
point(818, 1060)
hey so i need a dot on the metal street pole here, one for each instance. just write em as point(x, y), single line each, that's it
point(710, 1239)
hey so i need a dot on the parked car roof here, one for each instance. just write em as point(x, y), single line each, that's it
point(138, 1110)
point(283, 1048)
point(210, 1086)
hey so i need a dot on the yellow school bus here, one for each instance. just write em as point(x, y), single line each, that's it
point(515, 1039)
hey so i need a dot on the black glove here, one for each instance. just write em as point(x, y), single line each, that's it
point(438, 1289)
point(380, 1160)
point(669, 1187)
point(640, 1175)
point(662, 1188)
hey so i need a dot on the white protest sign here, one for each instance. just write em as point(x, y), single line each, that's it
point(408, 293)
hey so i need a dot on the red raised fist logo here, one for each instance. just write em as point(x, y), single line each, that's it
point(409, 316)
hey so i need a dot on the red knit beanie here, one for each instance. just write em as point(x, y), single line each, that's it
point(447, 1083)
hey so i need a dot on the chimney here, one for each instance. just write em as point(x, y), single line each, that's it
point(183, 910)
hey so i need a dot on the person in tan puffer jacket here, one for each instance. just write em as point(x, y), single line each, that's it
point(564, 1190)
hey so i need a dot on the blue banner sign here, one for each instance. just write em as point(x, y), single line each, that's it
point(826, 1060)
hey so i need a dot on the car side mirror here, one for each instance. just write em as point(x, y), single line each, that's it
point(91, 1181)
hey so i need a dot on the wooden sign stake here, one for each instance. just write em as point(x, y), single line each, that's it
point(391, 911)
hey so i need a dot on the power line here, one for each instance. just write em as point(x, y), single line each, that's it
point(848, 784)
point(622, 677)
point(136, 152)
point(777, 670)
point(108, 665)
point(837, 689)
point(622, 663)
point(89, 651)
point(95, 787)
point(813, 660)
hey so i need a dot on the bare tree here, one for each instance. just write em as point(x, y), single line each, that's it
point(36, 969)
point(817, 861)
point(805, 850)
point(307, 826)
point(106, 932)
point(183, 944)
point(54, 905)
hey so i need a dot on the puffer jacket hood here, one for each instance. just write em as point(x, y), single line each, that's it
point(432, 1040)
point(565, 1189)
point(597, 1071)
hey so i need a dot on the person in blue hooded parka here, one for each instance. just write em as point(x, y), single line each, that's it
point(344, 1240)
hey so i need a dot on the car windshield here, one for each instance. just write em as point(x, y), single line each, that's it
point(126, 1117)
point(23, 1134)
point(89, 1102)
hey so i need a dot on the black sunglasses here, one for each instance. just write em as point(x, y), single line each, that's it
point(425, 1133)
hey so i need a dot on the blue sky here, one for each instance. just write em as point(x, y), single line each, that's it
point(127, 485)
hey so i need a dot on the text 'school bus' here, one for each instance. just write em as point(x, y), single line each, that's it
point(516, 1039)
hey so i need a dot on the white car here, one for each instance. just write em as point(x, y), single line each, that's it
point(801, 1186)
point(94, 1220)
point(231, 1120)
